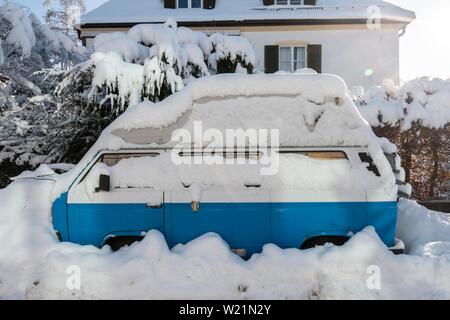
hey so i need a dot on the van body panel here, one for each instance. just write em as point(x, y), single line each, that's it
point(383, 217)
point(293, 223)
point(59, 217)
point(246, 218)
point(92, 223)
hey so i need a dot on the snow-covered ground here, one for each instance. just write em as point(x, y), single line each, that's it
point(33, 265)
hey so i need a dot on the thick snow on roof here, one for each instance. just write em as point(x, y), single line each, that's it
point(139, 11)
point(309, 110)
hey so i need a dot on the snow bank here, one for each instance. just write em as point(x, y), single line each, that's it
point(426, 232)
point(34, 266)
point(422, 100)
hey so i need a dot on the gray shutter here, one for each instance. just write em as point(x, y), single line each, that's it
point(170, 4)
point(271, 59)
point(209, 4)
point(310, 2)
point(269, 2)
point(315, 57)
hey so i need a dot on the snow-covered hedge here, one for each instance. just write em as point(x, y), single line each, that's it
point(416, 117)
point(422, 101)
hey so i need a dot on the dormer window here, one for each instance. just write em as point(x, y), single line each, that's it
point(189, 4)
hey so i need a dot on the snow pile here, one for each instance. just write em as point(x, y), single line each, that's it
point(24, 26)
point(426, 232)
point(33, 265)
point(422, 100)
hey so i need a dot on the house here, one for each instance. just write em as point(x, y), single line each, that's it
point(355, 39)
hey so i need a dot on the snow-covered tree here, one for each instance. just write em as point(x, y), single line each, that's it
point(52, 114)
point(63, 15)
point(26, 106)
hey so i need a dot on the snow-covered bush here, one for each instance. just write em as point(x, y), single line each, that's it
point(231, 54)
point(416, 117)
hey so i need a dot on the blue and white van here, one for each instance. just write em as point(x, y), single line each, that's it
point(321, 193)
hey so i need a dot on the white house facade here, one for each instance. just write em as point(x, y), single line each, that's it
point(355, 39)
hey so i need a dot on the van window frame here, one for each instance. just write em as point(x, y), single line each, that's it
point(100, 156)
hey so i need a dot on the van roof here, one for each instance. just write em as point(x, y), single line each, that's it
point(307, 109)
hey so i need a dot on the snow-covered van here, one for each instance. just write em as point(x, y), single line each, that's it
point(257, 159)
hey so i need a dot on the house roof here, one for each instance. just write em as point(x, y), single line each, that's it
point(120, 12)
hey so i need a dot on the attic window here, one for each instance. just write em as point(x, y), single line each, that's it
point(189, 4)
point(290, 2)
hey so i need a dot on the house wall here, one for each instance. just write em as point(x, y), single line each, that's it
point(350, 54)
point(349, 51)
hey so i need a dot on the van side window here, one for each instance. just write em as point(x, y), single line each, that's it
point(319, 155)
point(111, 159)
point(366, 158)
point(226, 154)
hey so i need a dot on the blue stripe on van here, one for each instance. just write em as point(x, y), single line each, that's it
point(243, 225)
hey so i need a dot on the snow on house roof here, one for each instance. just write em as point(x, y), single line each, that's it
point(148, 11)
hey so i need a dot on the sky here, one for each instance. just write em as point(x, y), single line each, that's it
point(424, 49)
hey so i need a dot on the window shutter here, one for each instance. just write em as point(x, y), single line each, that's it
point(315, 57)
point(271, 62)
point(310, 2)
point(209, 4)
point(269, 2)
point(170, 4)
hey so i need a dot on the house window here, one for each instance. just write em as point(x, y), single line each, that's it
point(292, 58)
point(290, 2)
point(189, 3)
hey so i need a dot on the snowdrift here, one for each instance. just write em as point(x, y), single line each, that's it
point(33, 265)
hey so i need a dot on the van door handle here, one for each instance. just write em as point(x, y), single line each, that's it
point(253, 186)
point(195, 206)
point(153, 206)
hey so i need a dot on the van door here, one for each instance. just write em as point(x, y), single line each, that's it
point(233, 206)
point(96, 215)
point(241, 218)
